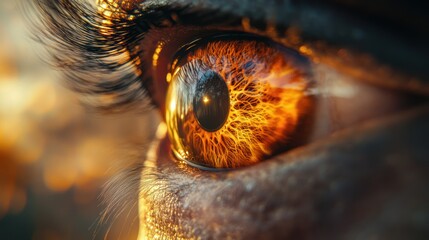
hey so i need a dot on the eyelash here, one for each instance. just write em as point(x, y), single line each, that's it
point(100, 55)
point(89, 61)
point(84, 53)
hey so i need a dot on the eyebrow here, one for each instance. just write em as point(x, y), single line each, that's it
point(396, 35)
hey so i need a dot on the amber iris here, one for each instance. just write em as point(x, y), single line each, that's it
point(232, 103)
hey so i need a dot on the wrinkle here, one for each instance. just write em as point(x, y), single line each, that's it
point(346, 188)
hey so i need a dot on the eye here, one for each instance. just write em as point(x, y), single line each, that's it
point(234, 100)
point(323, 70)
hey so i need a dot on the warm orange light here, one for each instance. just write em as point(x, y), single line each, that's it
point(267, 99)
point(156, 53)
point(206, 100)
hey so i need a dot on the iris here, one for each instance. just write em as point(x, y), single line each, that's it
point(233, 103)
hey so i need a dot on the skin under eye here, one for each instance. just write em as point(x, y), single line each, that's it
point(362, 183)
point(231, 103)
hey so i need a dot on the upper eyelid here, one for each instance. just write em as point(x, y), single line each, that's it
point(403, 48)
point(76, 36)
point(384, 50)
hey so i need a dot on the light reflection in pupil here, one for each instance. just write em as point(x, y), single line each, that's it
point(211, 101)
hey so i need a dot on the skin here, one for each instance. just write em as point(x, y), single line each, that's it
point(368, 181)
point(364, 180)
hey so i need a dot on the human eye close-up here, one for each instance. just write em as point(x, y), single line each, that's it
point(245, 119)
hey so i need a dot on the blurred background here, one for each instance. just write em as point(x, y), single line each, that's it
point(54, 155)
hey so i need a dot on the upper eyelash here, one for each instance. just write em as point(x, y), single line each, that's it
point(99, 59)
point(71, 31)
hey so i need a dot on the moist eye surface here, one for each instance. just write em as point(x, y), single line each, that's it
point(211, 101)
point(233, 102)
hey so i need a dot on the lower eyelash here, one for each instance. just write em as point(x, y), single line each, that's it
point(120, 200)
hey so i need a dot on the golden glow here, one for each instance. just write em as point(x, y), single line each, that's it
point(116, 8)
point(267, 98)
point(168, 78)
point(155, 55)
point(149, 227)
point(173, 106)
point(305, 50)
point(245, 22)
point(206, 100)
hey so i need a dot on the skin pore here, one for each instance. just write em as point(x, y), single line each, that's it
point(365, 179)
point(364, 182)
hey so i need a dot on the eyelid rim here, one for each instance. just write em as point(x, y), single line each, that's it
point(178, 159)
point(228, 36)
point(322, 52)
point(201, 41)
point(386, 45)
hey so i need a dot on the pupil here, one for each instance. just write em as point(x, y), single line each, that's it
point(211, 101)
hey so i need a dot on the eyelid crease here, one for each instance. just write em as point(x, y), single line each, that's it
point(331, 22)
point(348, 61)
point(86, 46)
point(404, 66)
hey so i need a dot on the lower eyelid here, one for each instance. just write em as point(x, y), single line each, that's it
point(340, 171)
point(341, 100)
